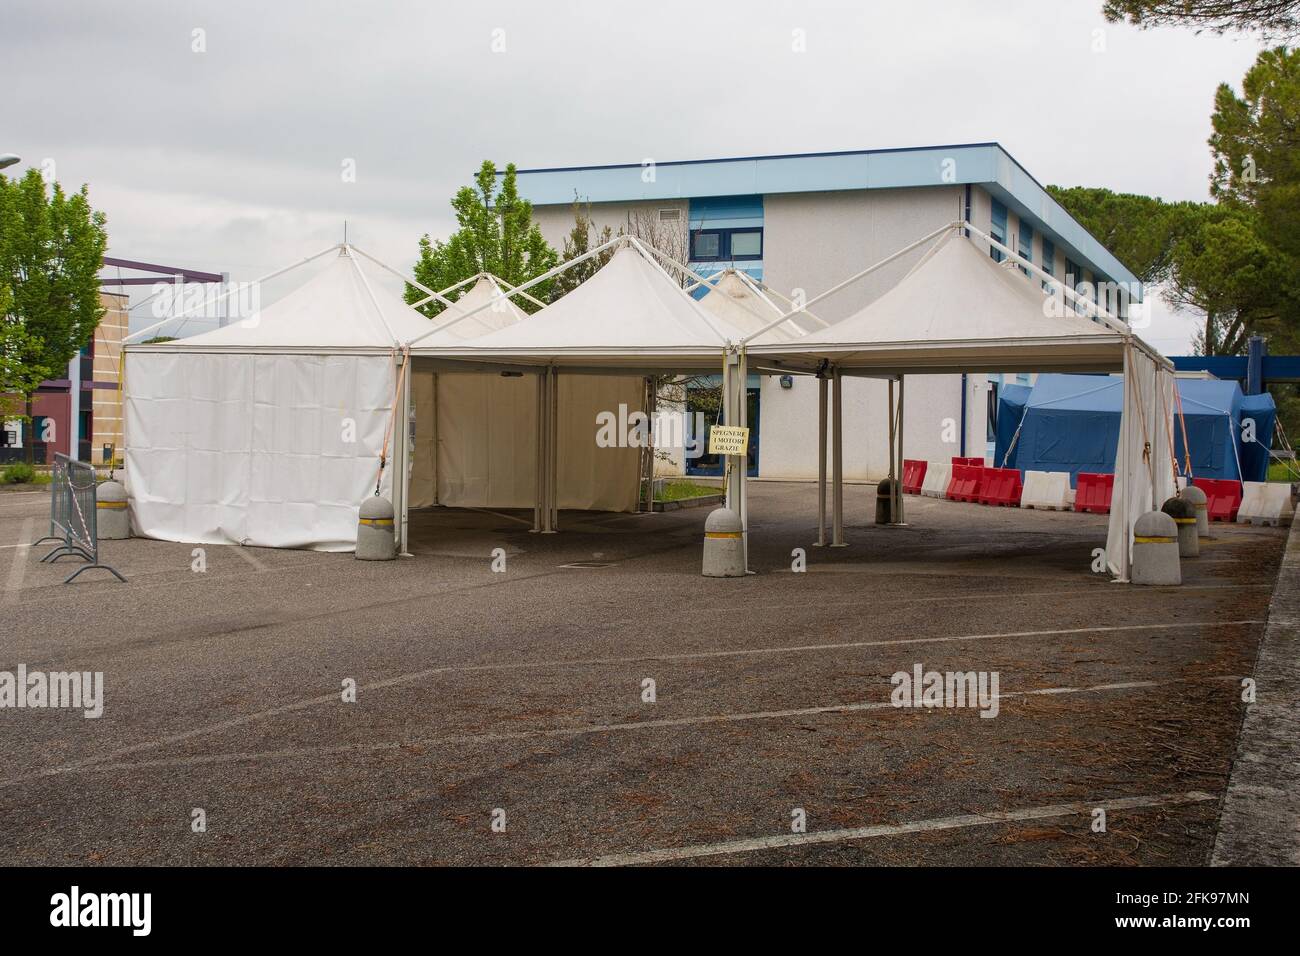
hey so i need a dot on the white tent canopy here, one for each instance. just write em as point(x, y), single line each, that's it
point(481, 309)
point(741, 304)
point(338, 308)
point(630, 313)
point(959, 310)
point(270, 431)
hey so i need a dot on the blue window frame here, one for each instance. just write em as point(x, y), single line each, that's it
point(1026, 244)
point(727, 245)
point(998, 229)
point(1049, 261)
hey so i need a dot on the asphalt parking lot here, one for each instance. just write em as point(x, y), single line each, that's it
point(484, 697)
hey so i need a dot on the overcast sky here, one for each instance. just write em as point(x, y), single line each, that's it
point(230, 159)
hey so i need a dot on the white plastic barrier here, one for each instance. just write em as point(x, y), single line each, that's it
point(1048, 490)
point(1265, 502)
point(938, 475)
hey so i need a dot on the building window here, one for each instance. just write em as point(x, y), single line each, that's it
point(1049, 262)
point(706, 245)
point(998, 230)
point(747, 243)
point(726, 244)
point(991, 416)
point(1026, 244)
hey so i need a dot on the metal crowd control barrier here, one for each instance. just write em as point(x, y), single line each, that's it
point(73, 515)
point(58, 503)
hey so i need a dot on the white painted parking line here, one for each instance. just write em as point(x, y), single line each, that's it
point(964, 821)
point(101, 763)
point(1079, 592)
point(400, 679)
point(18, 570)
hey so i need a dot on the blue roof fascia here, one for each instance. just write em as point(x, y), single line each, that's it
point(983, 164)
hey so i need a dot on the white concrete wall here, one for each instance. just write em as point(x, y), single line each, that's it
point(556, 222)
point(931, 423)
point(813, 241)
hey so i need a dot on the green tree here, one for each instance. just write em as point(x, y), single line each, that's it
point(1256, 145)
point(51, 249)
point(1140, 230)
point(1270, 16)
point(1211, 258)
point(579, 242)
point(496, 234)
point(1225, 269)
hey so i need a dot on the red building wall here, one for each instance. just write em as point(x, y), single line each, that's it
point(55, 405)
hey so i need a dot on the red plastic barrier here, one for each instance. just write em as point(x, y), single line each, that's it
point(1222, 497)
point(1092, 493)
point(976, 462)
point(1001, 487)
point(965, 483)
point(913, 475)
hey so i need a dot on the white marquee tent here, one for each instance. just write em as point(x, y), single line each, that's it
point(960, 310)
point(485, 452)
point(232, 436)
point(269, 431)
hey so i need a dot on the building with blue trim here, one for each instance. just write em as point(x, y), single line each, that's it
point(804, 223)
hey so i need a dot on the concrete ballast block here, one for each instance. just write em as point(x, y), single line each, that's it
point(1196, 498)
point(375, 537)
point(1184, 515)
point(1155, 550)
point(724, 545)
point(112, 511)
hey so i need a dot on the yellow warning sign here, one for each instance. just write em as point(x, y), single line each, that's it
point(728, 440)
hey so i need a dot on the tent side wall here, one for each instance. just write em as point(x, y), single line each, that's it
point(476, 446)
point(1011, 412)
point(270, 450)
point(1254, 454)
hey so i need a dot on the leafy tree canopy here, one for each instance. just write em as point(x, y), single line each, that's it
point(496, 234)
point(51, 250)
point(1140, 230)
point(582, 238)
point(1256, 145)
point(1280, 17)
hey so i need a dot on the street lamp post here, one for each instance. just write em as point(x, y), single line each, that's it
point(8, 159)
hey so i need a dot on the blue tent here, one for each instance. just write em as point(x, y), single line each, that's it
point(1261, 410)
point(1071, 423)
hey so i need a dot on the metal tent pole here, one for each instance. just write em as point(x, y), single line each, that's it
point(539, 480)
point(822, 401)
point(742, 419)
point(837, 463)
point(553, 459)
point(729, 417)
point(1126, 416)
point(896, 488)
point(404, 475)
